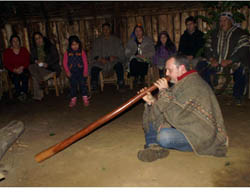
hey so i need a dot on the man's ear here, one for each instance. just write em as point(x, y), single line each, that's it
point(183, 68)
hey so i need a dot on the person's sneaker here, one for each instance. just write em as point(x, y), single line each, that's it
point(135, 81)
point(85, 101)
point(121, 88)
point(152, 153)
point(142, 80)
point(72, 102)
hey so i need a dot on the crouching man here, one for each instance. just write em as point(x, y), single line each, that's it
point(185, 117)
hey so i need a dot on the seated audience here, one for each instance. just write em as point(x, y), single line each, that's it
point(163, 50)
point(16, 60)
point(44, 62)
point(107, 56)
point(139, 52)
point(228, 47)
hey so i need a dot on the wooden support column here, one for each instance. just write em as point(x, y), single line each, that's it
point(5, 38)
point(245, 12)
point(9, 32)
point(184, 16)
point(162, 23)
point(177, 29)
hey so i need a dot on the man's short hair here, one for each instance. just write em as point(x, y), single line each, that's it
point(190, 18)
point(106, 24)
point(181, 59)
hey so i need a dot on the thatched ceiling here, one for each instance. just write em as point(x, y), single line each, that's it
point(47, 10)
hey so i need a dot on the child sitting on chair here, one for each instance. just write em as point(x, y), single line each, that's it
point(76, 67)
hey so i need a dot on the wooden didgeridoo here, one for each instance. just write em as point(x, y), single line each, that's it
point(67, 142)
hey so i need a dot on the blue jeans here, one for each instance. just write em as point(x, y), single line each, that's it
point(20, 81)
point(75, 80)
point(169, 138)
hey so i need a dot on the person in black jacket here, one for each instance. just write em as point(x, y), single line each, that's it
point(44, 62)
point(192, 40)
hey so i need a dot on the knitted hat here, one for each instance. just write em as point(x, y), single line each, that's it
point(229, 15)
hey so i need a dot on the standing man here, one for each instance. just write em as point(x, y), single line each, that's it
point(107, 55)
point(229, 47)
point(192, 40)
point(185, 117)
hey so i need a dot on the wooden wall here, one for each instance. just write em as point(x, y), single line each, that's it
point(90, 28)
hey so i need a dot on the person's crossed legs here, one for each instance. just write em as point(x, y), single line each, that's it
point(158, 143)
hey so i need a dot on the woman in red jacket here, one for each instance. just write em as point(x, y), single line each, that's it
point(17, 59)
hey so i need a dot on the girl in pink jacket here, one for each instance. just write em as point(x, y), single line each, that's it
point(76, 67)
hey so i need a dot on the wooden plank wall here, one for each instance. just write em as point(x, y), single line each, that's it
point(88, 29)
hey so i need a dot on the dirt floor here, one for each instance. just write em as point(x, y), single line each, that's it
point(108, 156)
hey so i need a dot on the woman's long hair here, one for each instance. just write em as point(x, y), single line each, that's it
point(72, 39)
point(46, 42)
point(169, 44)
point(133, 33)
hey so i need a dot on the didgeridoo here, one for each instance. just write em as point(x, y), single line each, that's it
point(67, 142)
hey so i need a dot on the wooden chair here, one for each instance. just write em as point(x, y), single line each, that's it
point(109, 80)
point(5, 83)
point(55, 84)
point(148, 78)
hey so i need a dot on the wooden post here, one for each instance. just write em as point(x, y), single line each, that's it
point(139, 20)
point(248, 19)
point(148, 26)
point(199, 21)
point(245, 11)
point(5, 38)
point(8, 29)
point(123, 31)
point(89, 26)
point(26, 38)
point(177, 30)
point(204, 24)
point(162, 23)
point(171, 27)
point(82, 32)
point(131, 25)
point(184, 16)
point(155, 28)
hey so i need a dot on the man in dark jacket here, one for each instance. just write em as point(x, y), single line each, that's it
point(192, 40)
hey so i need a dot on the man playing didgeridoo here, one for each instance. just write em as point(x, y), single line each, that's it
point(185, 117)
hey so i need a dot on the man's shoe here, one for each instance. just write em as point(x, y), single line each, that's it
point(238, 102)
point(22, 97)
point(152, 153)
point(121, 88)
point(42, 84)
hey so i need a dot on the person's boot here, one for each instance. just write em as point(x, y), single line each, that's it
point(152, 153)
point(135, 80)
point(142, 80)
point(121, 87)
point(94, 86)
point(85, 101)
point(72, 102)
point(42, 84)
